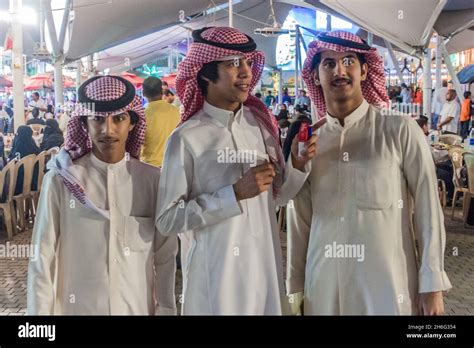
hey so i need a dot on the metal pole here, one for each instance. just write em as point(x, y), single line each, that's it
point(370, 39)
point(297, 58)
point(439, 62)
point(78, 75)
point(231, 14)
point(17, 64)
point(427, 83)
point(394, 61)
point(452, 72)
point(58, 81)
point(280, 84)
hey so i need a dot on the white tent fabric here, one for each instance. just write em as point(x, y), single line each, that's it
point(408, 24)
point(248, 15)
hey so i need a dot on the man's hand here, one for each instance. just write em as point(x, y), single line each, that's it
point(431, 303)
point(255, 181)
point(310, 151)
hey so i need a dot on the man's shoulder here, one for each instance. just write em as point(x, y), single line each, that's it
point(144, 168)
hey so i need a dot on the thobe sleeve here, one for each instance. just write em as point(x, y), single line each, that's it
point(41, 269)
point(299, 215)
point(293, 181)
point(419, 171)
point(177, 211)
point(165, 251)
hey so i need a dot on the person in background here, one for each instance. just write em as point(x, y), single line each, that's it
point(449, 116)
point(63, 119)
point(283, 114)
point(52, 136)
point(164, 87)
point(302, 98)
point(439, 97)
point(301, 116)
point(269, 99)
point(405, 94)
point(172, 99)
point(3, 119)
point(418, 100)
point(23, 145)
point(37, 103)
point(35, 118)
point(161, 118)
point(465, 116)
point(49, 114)
point(285, 99)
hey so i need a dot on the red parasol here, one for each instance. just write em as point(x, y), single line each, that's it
point(134, 79)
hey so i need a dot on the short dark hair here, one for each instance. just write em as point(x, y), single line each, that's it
point(152, 87)
point(36, 94)
point(422, 121)
point(133, 118)
point(258, 95)
point(317, 60)
point(467, 94)
point(445, 83)
point(35, 112)
point(168, 93)
point(164, 83)
point(210, 72)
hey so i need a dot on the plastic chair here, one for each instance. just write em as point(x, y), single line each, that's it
point(40, 159)
point(469, 161)
point(456, 155)
point(23, 199)
point(8, 181)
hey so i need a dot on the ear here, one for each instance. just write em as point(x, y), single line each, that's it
point(316, 78)
point(364, 69)
point(131, 127)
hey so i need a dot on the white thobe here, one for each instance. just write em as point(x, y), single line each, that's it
point(89, 264)
point(351, 243)
point(231, 254)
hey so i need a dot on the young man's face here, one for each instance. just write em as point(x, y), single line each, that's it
point(340, 75)
point(450, 96)
point(233, 83)
point(109, 135)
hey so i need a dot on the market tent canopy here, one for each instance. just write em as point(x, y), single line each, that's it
point(408, 24)
point(248, 16)
point(466, 75)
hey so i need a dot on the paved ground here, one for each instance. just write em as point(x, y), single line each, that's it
point(459, 264)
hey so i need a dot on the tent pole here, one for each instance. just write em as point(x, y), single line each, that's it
point(394, 61)
point(439, 62)
point(17, 64)
point(231, 14)
point(280, 84)
point(297, 59)
point(58, 81)
point(427, 85)
point(78, 75)
point(452, 73)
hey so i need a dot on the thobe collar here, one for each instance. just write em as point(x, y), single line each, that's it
point(224, 117)
point(104, 166)
point(352, 118)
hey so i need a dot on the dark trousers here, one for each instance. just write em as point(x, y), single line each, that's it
point(465, 129)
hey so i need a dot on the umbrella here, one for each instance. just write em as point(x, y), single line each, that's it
point(134, 79)
point(5, 82)
point(466, 75)
point(41, 81)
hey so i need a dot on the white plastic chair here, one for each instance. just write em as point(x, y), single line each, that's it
point(23, 199)
point(8, 180)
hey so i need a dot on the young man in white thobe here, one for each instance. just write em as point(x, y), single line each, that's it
point(99, 251)
point(351, 245)
point(223, 176)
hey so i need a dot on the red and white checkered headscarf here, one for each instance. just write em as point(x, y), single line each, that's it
point(104, 96)
point(373, 88)
point(204, 51)
point(99, 96)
